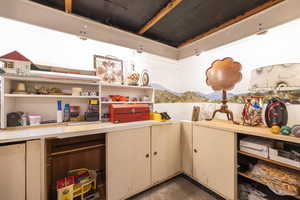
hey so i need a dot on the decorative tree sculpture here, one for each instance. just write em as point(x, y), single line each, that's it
point(223, 75)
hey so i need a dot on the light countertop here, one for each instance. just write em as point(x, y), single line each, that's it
point(18, 135)
point(248, 130)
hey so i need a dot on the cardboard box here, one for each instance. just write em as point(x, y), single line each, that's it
point(274, 154)
point(256, 146)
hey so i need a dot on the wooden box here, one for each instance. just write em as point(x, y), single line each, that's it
point(119, 113)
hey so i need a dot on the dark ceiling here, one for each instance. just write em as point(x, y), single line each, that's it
point(187, 20)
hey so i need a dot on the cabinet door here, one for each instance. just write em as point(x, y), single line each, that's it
point(166, 151)
point(200, 165)
point(33, 170)
point(128, 162)
point(187, 147)
point(12, 173)
point(215, 163)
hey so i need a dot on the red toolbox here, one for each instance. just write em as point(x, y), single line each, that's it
point(128, 112)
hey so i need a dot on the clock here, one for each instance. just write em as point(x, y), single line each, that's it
point(145, 78)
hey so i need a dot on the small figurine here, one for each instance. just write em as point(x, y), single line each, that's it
point(252, 111)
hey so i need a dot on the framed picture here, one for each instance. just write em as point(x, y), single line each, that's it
point(109, 69)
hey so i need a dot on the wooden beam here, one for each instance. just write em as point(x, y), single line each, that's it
point(233, 21)
point(171, 5)
point(68, 6)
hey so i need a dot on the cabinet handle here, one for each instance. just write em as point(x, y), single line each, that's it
point(147, 155)
point(195, 150)
point(155, 153)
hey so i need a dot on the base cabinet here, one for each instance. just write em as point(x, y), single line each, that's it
point(128, 162)
point(140, 158)
point(12, 173)
point(166, 152)
point(214, 163)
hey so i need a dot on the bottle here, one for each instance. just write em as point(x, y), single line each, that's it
point(67, 113)
point(59, 112)
point(24, 120)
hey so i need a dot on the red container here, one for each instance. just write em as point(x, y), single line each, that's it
point(128, 112)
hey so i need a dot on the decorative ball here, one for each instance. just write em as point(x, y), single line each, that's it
point(275, 129)
point(285, 130)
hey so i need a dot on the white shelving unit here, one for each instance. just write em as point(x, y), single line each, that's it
point(50, 96)
point(126, 102)
point(125, 90)
point(46, 104)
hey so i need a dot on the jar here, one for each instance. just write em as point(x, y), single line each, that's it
point(133, 76)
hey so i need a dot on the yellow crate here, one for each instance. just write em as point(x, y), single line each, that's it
point(80, 189)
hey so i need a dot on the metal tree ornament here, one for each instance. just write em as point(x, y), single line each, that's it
point(223, 75)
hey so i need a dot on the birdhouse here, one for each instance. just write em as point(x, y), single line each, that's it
point(16, 63)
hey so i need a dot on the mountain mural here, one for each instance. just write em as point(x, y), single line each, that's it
point(165, 95)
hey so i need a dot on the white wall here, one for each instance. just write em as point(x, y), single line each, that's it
point(48, 47)
point(280, 45)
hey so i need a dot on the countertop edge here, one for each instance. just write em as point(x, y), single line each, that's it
point(23, 135)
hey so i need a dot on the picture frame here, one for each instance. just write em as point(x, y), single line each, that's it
point(110, 69)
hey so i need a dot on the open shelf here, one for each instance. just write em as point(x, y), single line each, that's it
point(126, 102)
point(50, 96)
point(125, 86)
point(49, 79)
point(250, 177)
point(269, 160)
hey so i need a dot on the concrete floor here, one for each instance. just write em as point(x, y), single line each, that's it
point(176, 189)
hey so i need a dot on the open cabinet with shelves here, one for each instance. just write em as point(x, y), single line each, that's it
point(124, 94)
point(66, 157)
point(38, 93)
point(33, 95)
point(276, 179)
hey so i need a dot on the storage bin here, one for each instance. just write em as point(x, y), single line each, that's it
point(256, 146)
point(35, 119)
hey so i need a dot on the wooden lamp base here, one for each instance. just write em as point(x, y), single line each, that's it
point(224, 109)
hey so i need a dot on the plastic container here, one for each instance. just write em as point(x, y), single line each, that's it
point(67, 113)
point(35, 119)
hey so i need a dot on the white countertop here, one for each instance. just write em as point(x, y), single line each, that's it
point(7, 136)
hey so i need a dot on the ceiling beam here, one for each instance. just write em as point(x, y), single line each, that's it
point(68, 6)
point(171, 5)
point(73, 24)
point(247, 14)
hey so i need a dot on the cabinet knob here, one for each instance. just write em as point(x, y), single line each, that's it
point(195, 150)
point(155, 153)
point(147, 155)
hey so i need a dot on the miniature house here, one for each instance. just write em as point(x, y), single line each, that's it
point(16, 63)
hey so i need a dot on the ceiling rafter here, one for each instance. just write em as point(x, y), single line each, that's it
point(68, 6)
point(170, 6)
point(233, 21)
